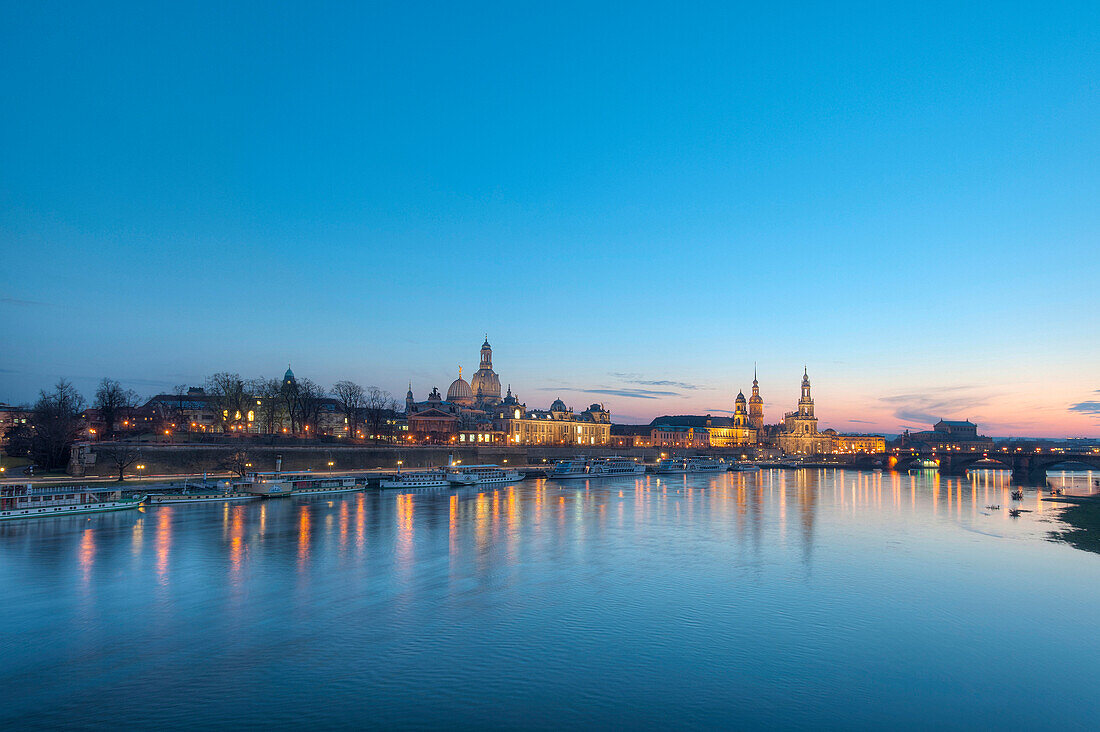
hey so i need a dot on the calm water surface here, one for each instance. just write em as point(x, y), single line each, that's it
point(793, 599)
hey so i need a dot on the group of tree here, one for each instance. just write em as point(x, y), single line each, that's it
point(296, 404)
point(57, 417)
point(54, 425)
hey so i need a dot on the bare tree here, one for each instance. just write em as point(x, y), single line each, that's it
point(379, 405)
point(237, 462)
point(270, 406)
point(56, 425)
point(288, 390)
point(352, 400)
point(309, 402)
point(230, 399)
point(113, 402)
point(121, 456)
point(175, 411)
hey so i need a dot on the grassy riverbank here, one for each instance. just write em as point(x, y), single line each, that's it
point(1082, 515)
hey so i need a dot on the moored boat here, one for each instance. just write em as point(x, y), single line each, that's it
point(29, 501)
point(698, 464)
point(416, 480)
point(482, 475)
point(604, 467)
point(198, 496)
point(744, 468)
point(279, 484)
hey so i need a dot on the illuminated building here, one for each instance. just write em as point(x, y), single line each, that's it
point(486, 384)
point(948, 435)
point(870, 444)
point(475, 412)
point(756, 406)
point(557, 425)
point(799, 435)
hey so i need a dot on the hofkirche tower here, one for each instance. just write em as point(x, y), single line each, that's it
point(756, 404)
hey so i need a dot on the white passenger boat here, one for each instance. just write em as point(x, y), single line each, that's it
point(604, 467)
point(29, 501)
point(416, 480)
point(481, 475)
point(700, 464)
point(744, 468)
point(279, 484)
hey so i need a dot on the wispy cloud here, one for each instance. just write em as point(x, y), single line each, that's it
point(629, 393)
point(1089, 407)
point(22, 303)
point(715, 410)
point(861, 421)
point(630, 378)
point(936, 404)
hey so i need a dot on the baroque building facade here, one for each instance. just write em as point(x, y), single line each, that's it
point(799, 434)
point(475, 411)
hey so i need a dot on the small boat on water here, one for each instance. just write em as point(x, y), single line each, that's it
point(482, 475)
point(605, 467)
point(744, 468)
point(30, 501)
point(280, 484)
point(416, 480)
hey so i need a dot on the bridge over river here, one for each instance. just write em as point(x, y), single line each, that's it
point(1026, 467)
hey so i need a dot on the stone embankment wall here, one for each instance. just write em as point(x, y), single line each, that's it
point(95, 459)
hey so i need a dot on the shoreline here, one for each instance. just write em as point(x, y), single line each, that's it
point(1082, 516)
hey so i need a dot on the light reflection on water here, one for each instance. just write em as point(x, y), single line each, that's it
point(784, 598)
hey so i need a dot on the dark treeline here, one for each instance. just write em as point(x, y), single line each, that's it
point(267, 406)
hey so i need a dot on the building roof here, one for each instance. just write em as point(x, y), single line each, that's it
point(631, 429)
point(459, 389)
point(692, 420)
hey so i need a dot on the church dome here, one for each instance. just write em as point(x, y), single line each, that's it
point(740, 397)
point(459, 391)
point(558, 406)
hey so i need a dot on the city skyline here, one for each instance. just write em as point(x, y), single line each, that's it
point(636, 206)
point(633, 398)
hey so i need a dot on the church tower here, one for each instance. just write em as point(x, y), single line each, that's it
point(756, 404)
point(806, 403)
point(740, 416)
point(485, 385)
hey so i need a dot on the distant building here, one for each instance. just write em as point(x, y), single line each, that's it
point(681, 436)
point(947, 435)
point(12, 418)
point(435, 419)
point(721, 432)
point(799, 434)
point(631, 435)
point(853, 443)
point(557, 425)
point(756, 407)
point(196, 410)
point(476, 412)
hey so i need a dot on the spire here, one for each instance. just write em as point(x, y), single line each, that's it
point(460, 372)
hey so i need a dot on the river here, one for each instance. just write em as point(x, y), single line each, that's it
point(794, 599)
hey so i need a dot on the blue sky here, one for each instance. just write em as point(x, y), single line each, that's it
point(903, 198)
